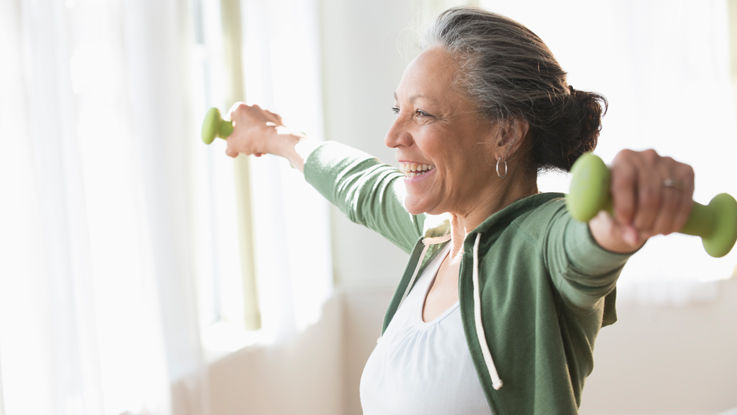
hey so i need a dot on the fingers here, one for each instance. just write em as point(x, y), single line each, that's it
point(230, 152)
point(649, 191)
point(624, 186)
point(677, 189)
point(651, 194)
point(275, 118)
point(254, 113)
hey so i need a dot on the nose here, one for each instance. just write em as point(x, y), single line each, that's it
point(398, 135)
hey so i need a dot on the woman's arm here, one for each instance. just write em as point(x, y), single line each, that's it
point(365, 190)
point(585, 260)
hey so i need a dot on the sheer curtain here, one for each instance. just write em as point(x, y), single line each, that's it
point(121, 263)
point(281, 41)
point(97, 308)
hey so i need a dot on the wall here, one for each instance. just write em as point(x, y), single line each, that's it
point(302, 376)
point(667, 359)
point(362, 65)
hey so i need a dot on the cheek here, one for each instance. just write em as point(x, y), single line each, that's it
point(466, 165)
point(437, 146)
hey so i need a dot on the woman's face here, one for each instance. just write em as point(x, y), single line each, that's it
point(444, 146)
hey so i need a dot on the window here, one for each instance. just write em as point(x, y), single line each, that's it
point(256, 217)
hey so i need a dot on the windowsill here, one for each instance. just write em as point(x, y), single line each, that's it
point(222, 339)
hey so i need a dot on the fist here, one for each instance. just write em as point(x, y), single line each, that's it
point(651, 195)
point(254, 130)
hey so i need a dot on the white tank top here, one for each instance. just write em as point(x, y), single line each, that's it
point(422, 368)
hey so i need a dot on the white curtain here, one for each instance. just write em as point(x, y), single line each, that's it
point(120, 269)
point(97, 307)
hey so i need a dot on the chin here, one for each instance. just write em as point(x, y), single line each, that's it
point(413, 207)
point(417, 208)
point(413, 210)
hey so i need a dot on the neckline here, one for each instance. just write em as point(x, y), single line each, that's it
point(436, 262)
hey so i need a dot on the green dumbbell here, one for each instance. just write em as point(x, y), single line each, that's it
point(715, 223)
point(214, 126)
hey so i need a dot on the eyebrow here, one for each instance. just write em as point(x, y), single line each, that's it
point(414, 97)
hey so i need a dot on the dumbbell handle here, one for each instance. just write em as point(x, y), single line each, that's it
point(715, 223)
point(214, 126)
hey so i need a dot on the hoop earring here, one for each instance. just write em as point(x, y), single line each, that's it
point(498, 173)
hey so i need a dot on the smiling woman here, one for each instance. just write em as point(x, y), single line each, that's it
point(438, 127)
point(480, 111)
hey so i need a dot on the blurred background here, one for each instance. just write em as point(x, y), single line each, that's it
point(143, 272)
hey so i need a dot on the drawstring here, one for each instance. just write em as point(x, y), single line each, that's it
point(496, 381)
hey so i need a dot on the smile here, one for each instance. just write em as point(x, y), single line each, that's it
point(415, 169)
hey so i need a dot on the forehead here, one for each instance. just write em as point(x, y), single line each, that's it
point(430, 75)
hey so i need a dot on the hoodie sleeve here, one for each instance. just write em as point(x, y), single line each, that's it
point(367, 191)
point(582, 271)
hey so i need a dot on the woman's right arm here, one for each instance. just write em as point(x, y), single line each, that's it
point(366, 191)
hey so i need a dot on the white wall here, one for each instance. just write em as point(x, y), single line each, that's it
point(303, 376)
point(660, 359)
point(362, 65)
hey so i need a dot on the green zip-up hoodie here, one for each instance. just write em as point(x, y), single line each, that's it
point(534, 287)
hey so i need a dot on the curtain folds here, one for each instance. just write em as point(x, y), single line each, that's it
point(119, 252)
point(98, 307)
point(281, 60)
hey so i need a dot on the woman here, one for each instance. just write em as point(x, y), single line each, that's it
point(499, 306)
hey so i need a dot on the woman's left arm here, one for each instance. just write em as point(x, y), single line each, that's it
point(651, 195)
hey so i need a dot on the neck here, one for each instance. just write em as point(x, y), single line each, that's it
point(499, 194)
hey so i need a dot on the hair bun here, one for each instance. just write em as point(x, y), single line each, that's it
point(510, 73)
point(585, 110)
point(573, 128)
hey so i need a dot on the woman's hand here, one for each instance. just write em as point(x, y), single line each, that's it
point(254, 131)
point(651, 195)
point(258, 131)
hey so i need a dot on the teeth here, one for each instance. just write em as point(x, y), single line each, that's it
point(414, 169)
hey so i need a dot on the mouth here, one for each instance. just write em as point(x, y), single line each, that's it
point(415, 169)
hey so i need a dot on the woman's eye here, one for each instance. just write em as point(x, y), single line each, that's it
point(421, 113)
point(395, 109)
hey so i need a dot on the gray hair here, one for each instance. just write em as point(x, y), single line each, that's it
point(510, 73)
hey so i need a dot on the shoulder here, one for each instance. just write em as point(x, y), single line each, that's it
point(539, 212)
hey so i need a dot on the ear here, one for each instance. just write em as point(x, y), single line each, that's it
point(511, 135)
